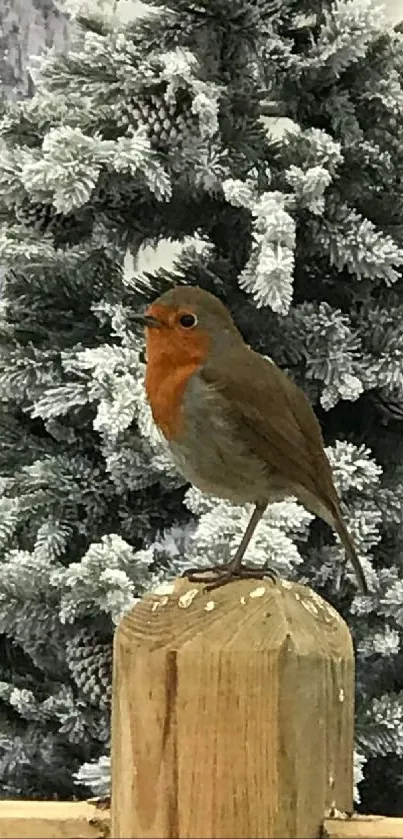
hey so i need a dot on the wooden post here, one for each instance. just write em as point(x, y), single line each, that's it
point(232, 713)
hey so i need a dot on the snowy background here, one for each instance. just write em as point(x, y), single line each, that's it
point(29, 25)
point(90, 513)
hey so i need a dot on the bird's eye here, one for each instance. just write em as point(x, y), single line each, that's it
point(188, 321)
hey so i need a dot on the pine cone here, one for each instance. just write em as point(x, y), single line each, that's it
point(69, 228)
point(167, 123)
point(89, 658)
point(34, 214)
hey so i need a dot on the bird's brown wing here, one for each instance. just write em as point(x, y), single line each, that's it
point(275, 418)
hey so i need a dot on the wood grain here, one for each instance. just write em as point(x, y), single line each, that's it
point(232, 713)
point(52, 820)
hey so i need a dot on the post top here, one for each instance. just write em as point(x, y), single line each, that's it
point(243, 616)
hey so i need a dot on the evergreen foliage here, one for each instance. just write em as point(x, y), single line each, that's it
point(153, 130)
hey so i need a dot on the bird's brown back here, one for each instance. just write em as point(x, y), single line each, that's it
point(275, 418)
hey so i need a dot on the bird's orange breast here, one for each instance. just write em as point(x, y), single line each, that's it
point(172, 359)
point(165, 387)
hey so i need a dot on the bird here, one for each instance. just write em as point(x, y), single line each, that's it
point(236, 425)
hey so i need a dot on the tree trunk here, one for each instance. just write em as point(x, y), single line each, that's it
point(26, 28)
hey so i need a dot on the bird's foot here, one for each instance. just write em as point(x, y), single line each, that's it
point(216, 576)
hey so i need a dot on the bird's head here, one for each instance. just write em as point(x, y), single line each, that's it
point(187, 325)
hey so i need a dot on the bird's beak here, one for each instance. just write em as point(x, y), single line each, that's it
point(145, 320)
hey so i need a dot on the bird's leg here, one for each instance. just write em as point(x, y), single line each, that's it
point(234, 570)
point(236, 562)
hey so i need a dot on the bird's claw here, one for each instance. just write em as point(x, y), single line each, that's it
point(223, 574)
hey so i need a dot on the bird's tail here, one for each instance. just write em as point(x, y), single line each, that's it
point(330, 513)
point(351, 552)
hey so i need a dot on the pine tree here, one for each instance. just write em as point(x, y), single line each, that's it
point(154, 130)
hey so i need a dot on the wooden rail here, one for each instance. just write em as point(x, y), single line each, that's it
point(53, 820)
point(232, 716)
point(363, 827)
point(83, 820)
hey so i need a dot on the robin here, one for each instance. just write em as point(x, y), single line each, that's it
point(237, 427)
